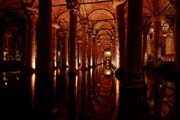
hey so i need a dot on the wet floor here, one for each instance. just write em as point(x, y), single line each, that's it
point(95, 96)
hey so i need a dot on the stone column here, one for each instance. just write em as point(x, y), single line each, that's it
point(121, 31)
point(89, 56)
point(29, 48)
point(54, 46)
point(93, 62)
point(32, 42)
point(90, 64)
point(30, 55)
point(84, 48)
point(146, 28)
point(72, 42)
point(133, 69)
point(93, 50)
point(72, 57)
point(177, 34)
point(156, 52)
point(64, 50)
point(43, 84)
point(61, 81)
point(144, 48)
point(133, 91)
point(177, 57)
point(84, 65)
point(28, 58)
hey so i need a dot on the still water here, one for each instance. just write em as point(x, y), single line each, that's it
point(95, 96)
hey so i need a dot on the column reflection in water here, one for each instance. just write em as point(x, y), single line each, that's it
point(160, 96)
point(90, 81)
point(54, 86)
point(76, 86)
point(117, 94)
point(33, 77)
point(91, 88)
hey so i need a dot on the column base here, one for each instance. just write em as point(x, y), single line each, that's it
point(133, 81)
point(133, 98)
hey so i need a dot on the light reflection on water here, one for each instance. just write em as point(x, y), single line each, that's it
point(33, 77)
point(158, 88)
point(76, 86)
point(164, 88)
point(117, 94)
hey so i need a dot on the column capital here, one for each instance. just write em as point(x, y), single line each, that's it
point(71, 4)
point(33, 14)
point(83, 20)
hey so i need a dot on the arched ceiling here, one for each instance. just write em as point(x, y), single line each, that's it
point(100, 14)
point(97, 9)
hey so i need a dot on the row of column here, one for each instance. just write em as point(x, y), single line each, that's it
point(131, 50)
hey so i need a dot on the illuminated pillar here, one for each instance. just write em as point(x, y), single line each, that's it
point(54, 46)
point(89, 49)
point(72, 57)
point(90, 40)
point(43, 84)
point(144, 51)
point(93, 62)
point(29, 57)
point(144, 48)
point(121, 31)
point(84, 61)
point(84, 44)
point(156, 52)
point(78, 53)
point(64, 51)
point(93, 50)
point(32, 60)
point(29, 48)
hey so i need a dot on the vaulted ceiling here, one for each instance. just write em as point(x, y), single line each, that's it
point(98, 15)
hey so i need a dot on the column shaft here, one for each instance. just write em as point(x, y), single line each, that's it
point(72, 63)
point(72, 41)
point(43, 84)
point(157, 28)
point(133, 69)
point(177, 34)
point(177, 58)
point(84, 48)
point(121, 31)
point(144, 48)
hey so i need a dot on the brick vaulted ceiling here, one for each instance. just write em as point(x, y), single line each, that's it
point(99, 15)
